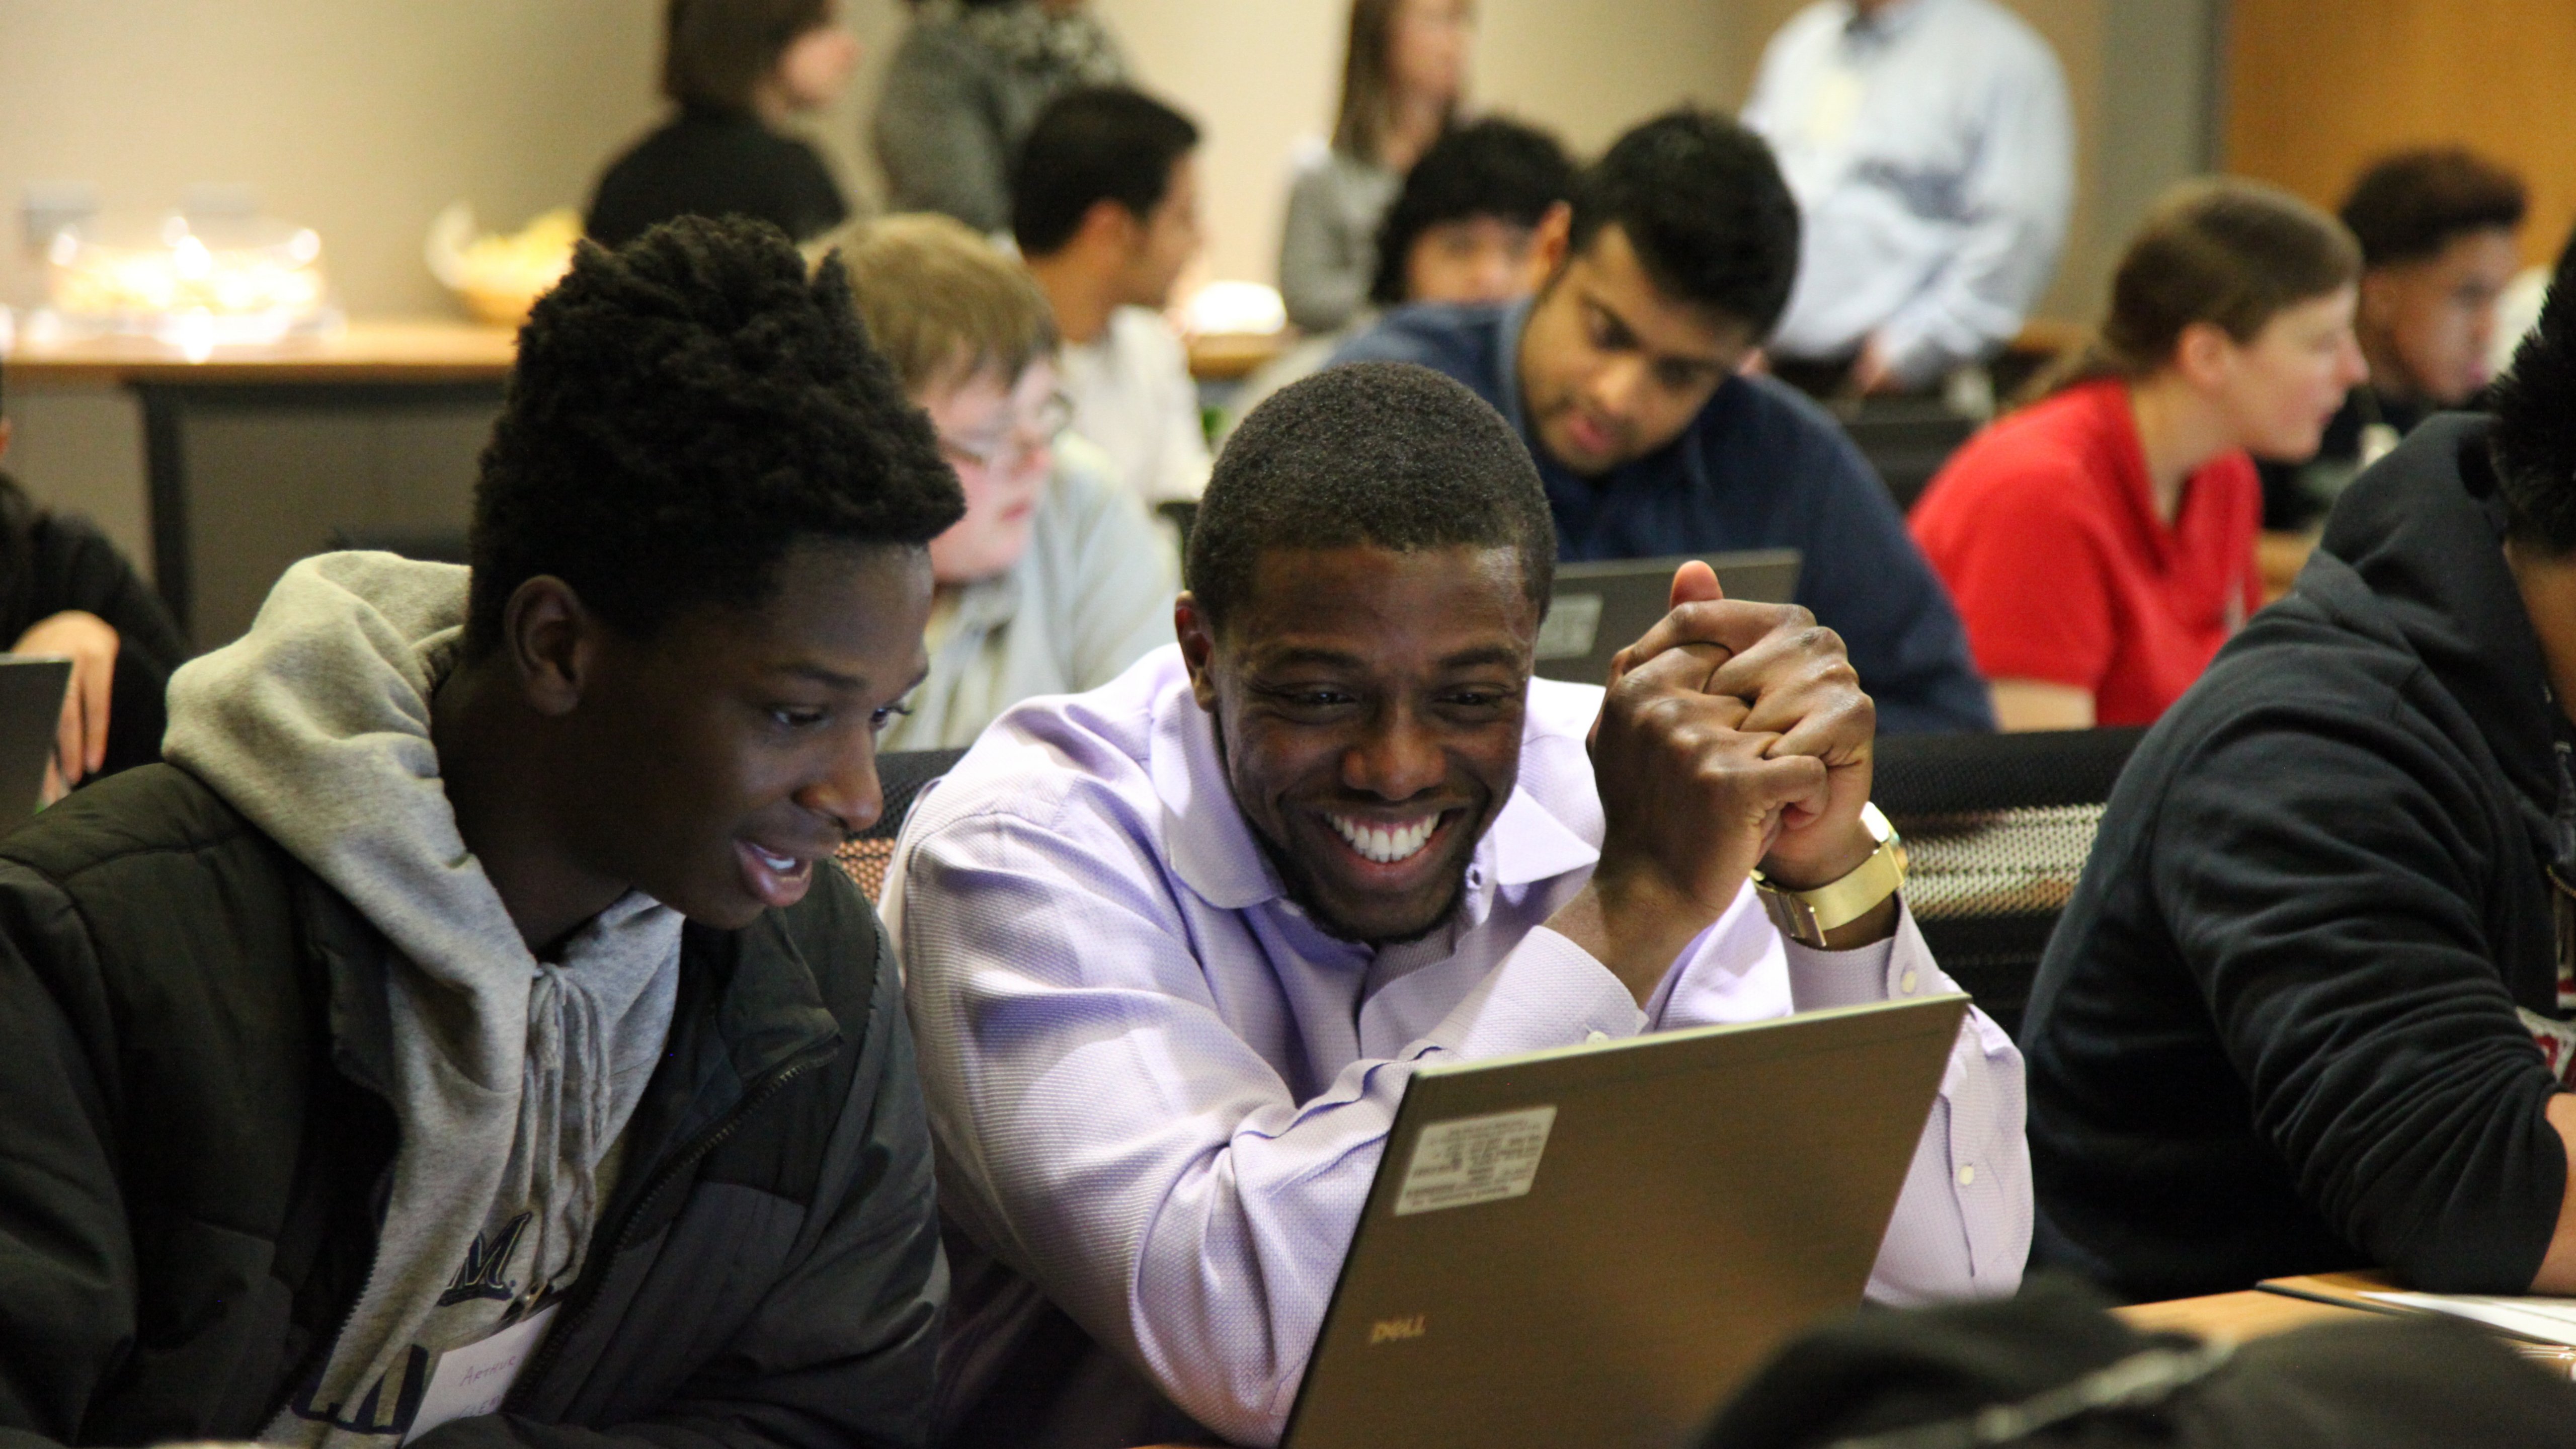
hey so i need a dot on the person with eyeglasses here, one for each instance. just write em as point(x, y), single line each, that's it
point(1056, 579)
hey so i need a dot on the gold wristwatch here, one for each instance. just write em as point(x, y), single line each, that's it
point(1805, 916)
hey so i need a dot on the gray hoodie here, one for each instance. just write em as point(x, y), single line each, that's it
point(512, 1078)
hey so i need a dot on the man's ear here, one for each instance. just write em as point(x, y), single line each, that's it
point(551, 639)
point(1198, 648)
point(1551, 242)
point(2378, 301)
point(1109, 226)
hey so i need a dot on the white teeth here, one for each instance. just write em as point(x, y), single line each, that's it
point(783, 864)
point(1385, 844)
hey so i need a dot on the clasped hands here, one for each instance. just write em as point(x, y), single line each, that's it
point(1733, 735)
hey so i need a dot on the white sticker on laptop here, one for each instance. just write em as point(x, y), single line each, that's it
point(1474, 1159)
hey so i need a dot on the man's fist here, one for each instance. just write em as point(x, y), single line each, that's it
point(1732, 735)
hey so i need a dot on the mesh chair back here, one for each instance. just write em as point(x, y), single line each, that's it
point(903, 774)
point(1997, 829)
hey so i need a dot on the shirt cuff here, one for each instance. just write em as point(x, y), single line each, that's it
point(1889, 970)
point(1547, 992)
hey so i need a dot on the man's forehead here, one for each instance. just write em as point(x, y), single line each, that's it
point(1608, 273)
point(1303, 597)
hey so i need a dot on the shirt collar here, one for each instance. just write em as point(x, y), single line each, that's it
point(1211, 847)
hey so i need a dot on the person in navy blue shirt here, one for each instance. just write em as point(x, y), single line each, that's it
point(1623, 377)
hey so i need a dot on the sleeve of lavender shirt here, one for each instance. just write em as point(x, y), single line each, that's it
point(1104, 1129)
point(1963, 1222)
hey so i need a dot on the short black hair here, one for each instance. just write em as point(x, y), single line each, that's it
point(1382, 453)
point(2409, 206)
point(685, 409)
point(715, 53)
point(1703, 202)
point(2533, 443)
point(1494, 167)
point(1093, 144)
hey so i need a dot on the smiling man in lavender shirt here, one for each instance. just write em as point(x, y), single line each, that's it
point(1175, 945)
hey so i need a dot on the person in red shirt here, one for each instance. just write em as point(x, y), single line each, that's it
point(2100, 542)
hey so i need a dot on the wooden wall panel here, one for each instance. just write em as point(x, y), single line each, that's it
point(2314, 92)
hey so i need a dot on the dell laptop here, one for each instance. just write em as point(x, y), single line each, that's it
point(1602, 608)
point(31, 712)
point(1595, 1245)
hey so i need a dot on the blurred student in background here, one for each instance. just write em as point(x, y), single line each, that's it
point(64, 589)
point(1929, 145)
point(2438, 246)
point(1624, 375)
point(966, 84)
point(2100, 543)
point(740, 72)
point(1105, 204)
point(1055, 580)
point(1463, 231)
point(1403, 74)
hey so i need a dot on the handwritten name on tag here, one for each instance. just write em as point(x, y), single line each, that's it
point(475, 1379)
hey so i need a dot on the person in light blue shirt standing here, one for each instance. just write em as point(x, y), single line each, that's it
point(1930, 148)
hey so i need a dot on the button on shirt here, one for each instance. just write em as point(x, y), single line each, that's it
point(1932, 158)
point(1160, 1090)
point(1759, 467)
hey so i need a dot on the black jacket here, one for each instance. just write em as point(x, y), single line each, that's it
point(2275, 1031)
point(716, 163)
point(189, 1186)
point(51, 562)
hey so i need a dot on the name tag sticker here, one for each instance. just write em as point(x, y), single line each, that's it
point(475, 1379)
point(1474, 1159)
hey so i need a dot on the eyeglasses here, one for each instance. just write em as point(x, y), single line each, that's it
point(1025, 438)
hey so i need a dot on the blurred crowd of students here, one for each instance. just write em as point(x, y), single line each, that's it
point(2152, 492)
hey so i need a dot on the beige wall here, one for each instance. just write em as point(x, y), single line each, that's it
point(1262, 75)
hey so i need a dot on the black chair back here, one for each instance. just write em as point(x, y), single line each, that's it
point(903, 774)
point(1997, 829)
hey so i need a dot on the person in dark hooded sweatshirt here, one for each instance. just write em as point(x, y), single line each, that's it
point(461, 1040)
point(2310, 1005)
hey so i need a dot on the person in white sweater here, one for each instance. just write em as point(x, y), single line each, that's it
point(1055, 580)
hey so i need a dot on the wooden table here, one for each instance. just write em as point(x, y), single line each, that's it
point(219, 539)
point(2252, 1313)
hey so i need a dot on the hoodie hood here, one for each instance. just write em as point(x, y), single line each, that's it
point(511, 1078)
point(2424, 532)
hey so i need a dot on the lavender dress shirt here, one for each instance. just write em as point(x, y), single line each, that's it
point(1159, 1091)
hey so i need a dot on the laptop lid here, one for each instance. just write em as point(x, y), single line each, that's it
point(31, 710)
point(1602, 608)
point(1594, 1245)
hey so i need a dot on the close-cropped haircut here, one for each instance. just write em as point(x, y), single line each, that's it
point(1493, 167)
point(1703, 202)
point(715, 53)
point(685, 410)
point(941, 302)
point(1093, 144)
point(2534, 441)
point(1376, 453)
point(2411, 205)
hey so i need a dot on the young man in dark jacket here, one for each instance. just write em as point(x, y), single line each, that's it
point(2304, 1008)
point(462, 1021)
